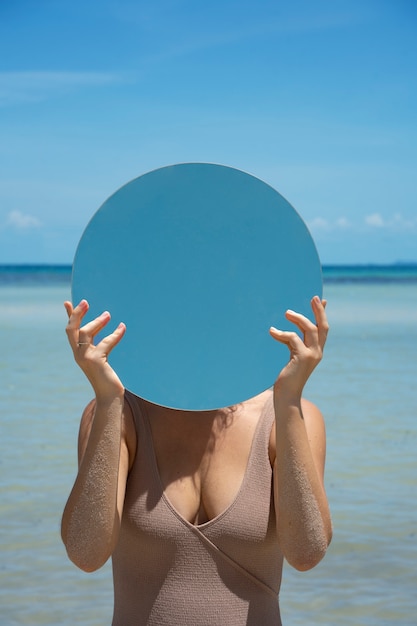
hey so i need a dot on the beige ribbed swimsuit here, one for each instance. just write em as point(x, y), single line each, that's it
point(225, 572)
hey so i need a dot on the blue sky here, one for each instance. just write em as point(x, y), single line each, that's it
point(317, 99)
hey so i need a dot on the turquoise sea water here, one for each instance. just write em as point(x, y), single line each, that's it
point(366, 387)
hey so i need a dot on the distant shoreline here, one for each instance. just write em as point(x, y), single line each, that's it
point(326, 266)
point(49, 274)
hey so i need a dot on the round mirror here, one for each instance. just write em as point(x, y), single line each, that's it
point(199, 260)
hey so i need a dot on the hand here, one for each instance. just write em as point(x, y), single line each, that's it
point(93, 360)
point(305, 353)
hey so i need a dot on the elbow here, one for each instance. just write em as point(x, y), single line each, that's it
point(306, 557)
point(87, 565)
point(307, 561)
point(86, 558)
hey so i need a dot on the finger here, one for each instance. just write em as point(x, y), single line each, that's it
point(91, 329)
point(105, 346)
point(75, 315)
point(306, 326)
point(290, 339)
point(110, 341)
point(69, 308)
point(318, 307)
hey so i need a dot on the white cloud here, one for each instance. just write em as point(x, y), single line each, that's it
point(375, 220)
point(342, 222)
point(22, 221)
point(396, 222)
point(18, 87)
point(321, 224)
point(404, 223)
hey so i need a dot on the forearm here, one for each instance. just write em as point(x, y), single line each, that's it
point(90, 520)
point(303, 517)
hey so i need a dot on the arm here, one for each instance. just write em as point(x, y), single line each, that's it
point(92, 515)
point(303, 518)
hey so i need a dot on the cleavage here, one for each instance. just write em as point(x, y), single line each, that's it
point(194, 454)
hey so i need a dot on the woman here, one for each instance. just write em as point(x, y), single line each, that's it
point(198, 509)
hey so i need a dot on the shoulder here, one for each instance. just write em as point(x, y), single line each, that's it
point(316, 433)
point(128, 430)
point(85, 428)
point(313, 419)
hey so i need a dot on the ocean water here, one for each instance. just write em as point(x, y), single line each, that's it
point(366, 387)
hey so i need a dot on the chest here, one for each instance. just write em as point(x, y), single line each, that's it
point(199, 461)
point(202, 460)
point(221, 484)
point(163, 527)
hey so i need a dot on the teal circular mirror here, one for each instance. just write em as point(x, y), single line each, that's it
point(199, 260)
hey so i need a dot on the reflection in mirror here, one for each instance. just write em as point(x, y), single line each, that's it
point(199, 260)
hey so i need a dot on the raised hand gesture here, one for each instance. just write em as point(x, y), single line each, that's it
point(93, 359)
point(305, 352)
